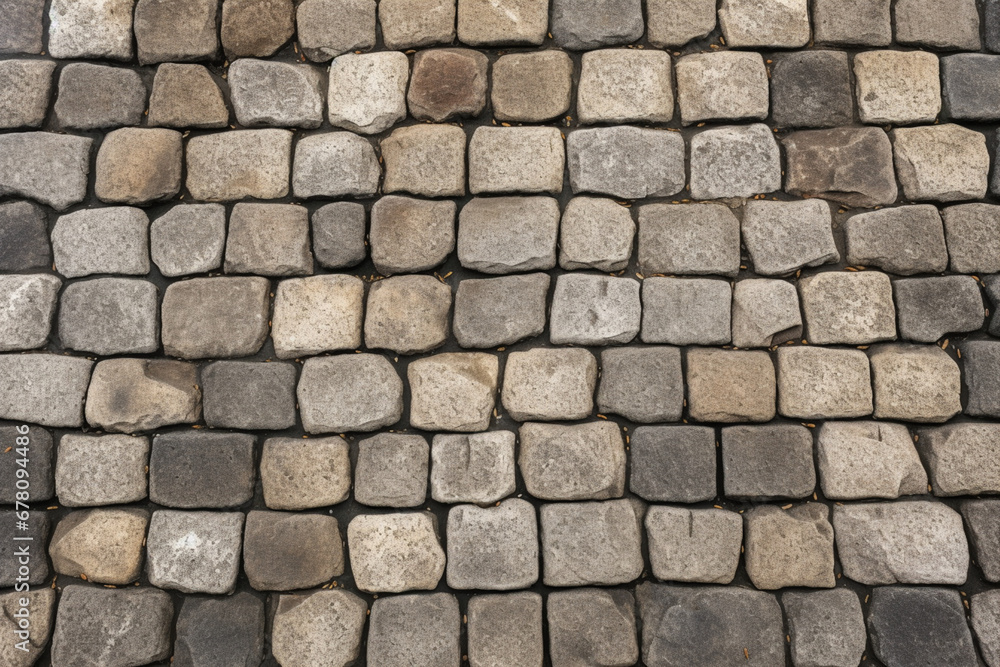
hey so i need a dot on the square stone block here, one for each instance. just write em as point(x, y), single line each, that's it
point(508, 234)
point(227, 166)
point(269, 240)
point(584, 24)
point(973, 234)
point(903, 240)
point(897, 87)
point(109, 316)
point(848, 308)
point(104, 546)
point(700, 546)
point(852, 166)
point(187, 239)
point(493, 548)
point(425, 160)
point(625, 86)
point(335, 164)
point(812, 89)
point(185, 96)
point(393, 553)
point(626, 162)
point(500, 311)
point(283, 552)
point(549, 384)
point(268, 93)
point(407, 314)
point(765, 313)
point(673, 23)
point(580, 462)
point(768, 462)
point(825, 627)
point(317, 314)
point(505, 630)
point(327, 28)
point(746, 23)
point(724, 85)
point(91, 29)
point(852, 23)
point(129, 395)
point(783, 237)
point(532, 87)
point(918, 383)
point(927, 309)
point(101, 240)
point(688, 239)
point(339, 235)
point(367, 91)
point(349, 392)
point(730, 386)
point(411, 235)
point(941, 162)
point(249, 395)
point(823, 383)
point(643, 385)
point(960, 458)
point(44, 389)
point(220, 629)
point(447, 83)
point(256, 27)
point(216, 317)
point(453, 392)
point(391, 470)
point(415, 629)
point(596, 543)
point(27, 85)
point(408, 24)
point(299, 473)
point(513, 22)
point(194, 552)
point(787, 548)
point(474, 468)
point(938, 24)
point(591, 621)
point(100, 470)
point(673, 463)
point(176, 30)
point(321, 626)
point(594, 310)
point(971, 86)
point(29, 302)
point(595, 233)
point(736, 161)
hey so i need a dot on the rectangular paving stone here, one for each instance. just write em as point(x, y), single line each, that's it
point(673, 23)
point(188, 239)
point(868, 459)
point(848, 308)
point(516, 159)
point(907, 622)
point(825, 627)
point(104, 546)
point(453, 392)
point(701, 546)
point(852, 22)
point(269, 240)
point(508, 234)
point(592, 621)
point(335, 164)
point(94, 97)
point(410, 235)
point(690, 239)
point(549, 384)
point(26, 86)
point(625, 86)
point(594, 310)
point(626, 162)
point(317, 314)
point(407, 314)
point(39, 530)
point(505, 630)
point(473, 468)
point(915, 383)
point(322, 626)
point(268, 93)
point(256, 27)
point(408, 24)
point(366, 92)
point(929, 308)
point(982, 519)
point(783, 237)
point(44, 389)
point(500, 311)
point(194, 552)
point(852, 166)
point(723, 85)
point(327, 28)
point(903, 240)
point(22, 30)
point(673, 463)
point(813, 88)
point(581, 25)
point(971, 86)
point(768, 462)
point(349, 392)
point(730, 386)
point(234, 165)
point(40, 464)
point(415, 629)
point(579, 462)
point(425, 160)
point(42, 604)
point(746, 23)
point(176, 31)
point(186, 96)
point(493, 548)
point(692, 311)
point(938, 25)
point(532, 87)
point(595, 233)
point(284, 551)
point(24, 237)
point(981, 377)
point(102, 240)
point(897, 87)
point(100, 470)
point(248, 395)
point(793, 547)
point(91, 29)
point(224, 631)
point(299, 473)
point(765, 313)
point(643, 385)
point(960, 458)
point(461, 71)
point(396, 552)
point(190, 470)
point(110, 316)
point(941, 162)
point(823, 383)
point(591, 543)
point(973, 235)
point(215, 317)
point(735, 161)
point(514, 22)
point(47, 167)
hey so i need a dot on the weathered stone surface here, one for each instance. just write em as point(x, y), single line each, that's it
point(852, 166)
point(584, 544)
point(673, 463)
point(328, 28)
point(728, 386)
point(39, 530)
point(960, 458)
point(49, 168)
point(595, 233)
point(789, 547)
point(981, 377)
point(453, 392)
point(131, 395)
point(269, 240)
point(765, 313)
point(991, 28)
point(549, 384)
point(409, 24)
point(812, 89)
point(265, 92)
point(581, 25)
point(391, 470)
point(215, 317)
point(594, 310)
point(783, 237)
point(767, 462)
point(335, 164)
point(239, 164)
point(782, 24)
point(194, 552)
point(505, 630)
point(991, 285)
point(191, 470)
point(823, 383)
point(393, 553)
point(982, 519)
point(26, 85)
point(848, 308)
point(493, 548)
point(102, 545)
point(256, 28)
point(189, 238)
point(118, 627)
point(852, 22)
point(902, 240)
point(690, 239)
point(918, 383)
point(474, 468)
point(44, 389)
point(682, 311)
point(166, 30)
point(29, 303)
point(627, 162)
point(508, 234)
point(100, 470)
point(42, 607)
point(93, 97)
point(500, 311)
point(91, 29)
point(868, 460)
point(415, 630)
point(110, 316)
point(22, 29)
point(677, 22)
point(898, 87)
point(986, 624)
point(427, 160)
point(283, 552)
point(24, 237)
point(625, 86)
point(532, 87)
point(694, 545)
point(298, 474)
point(580, 462)
point(707, 626)
point(228, 632)
point(447, 83)
point(723, 85)
point(912, 542)
point(367, 91)
point(973, 233)
point(410, 235)
point(338, 235)
point(909, 625)
point(516, 159)
point(938, 25)
point(248, 395)
point(407, 314)
point(825, 627)
point(317, 314)
point(486, 23)
point(349, 392)
point(643, 385)
point(39, 464)
point(322, 628)
point(101, 240)
point(941, 162)
point(592, 627)
point(734, 161)
point(971, 87)
point(186, 96)
point(929, 308)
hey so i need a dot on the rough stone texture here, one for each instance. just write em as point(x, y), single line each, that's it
point(825, 627)
point(235, 165)
point(26, 86)
point(904, 240)
point(960, 458)
point(765, 313)
point(982, 518)
point(938, 25)
point(392, 553)
point(269, 240)
point(321, 629)
point(415, 630)
point(727, 386)
point(391, 470)
point(453, 392)
point(474, 468)
point(283, 552)
point(228, 632)
point(868, 460)
point(505, 630)
point(249, 395)
point(507, 22)
point(508, 234)
point(24, 237)
point(298, 474)
point(92, 97)
point(89, 29)
point(693, 239)
point(971, 87)
point(986, 624)
point(897, 87)
point(592, 627)
point(131, 395)
point(190, 470)
point(410, 235)
point(410, 24)
point(44, 389)
point(852, 22)
point(39, 530)
point(848, 308)
point(734, 162)
point(812, 89)
point(581, 24)
point(682, 311)
point(918, 383)
point(516, 159)
point(673, 463)
point(594, 310)
point(328, 28)
point(677, 22)
point(981, 379)
point(746, 23)
point(585, 544)
point(256, 28)
point(194, 552)
point(167, 30)
point(317, 314)
point(349, 392)
point(549, 384)
point(500, 311)
point(22, 29)
point(532, 87)
point(215, 317)
point(102, 545)
point(991, 285)
point(407, 314)
point(335, 164)
point(724, 85)
point(264, 93)
point(783, 237)
point(912, 625)
point(694, 545)
point(425, 160)
point(100, 470)
point(447, 83)
point(852, 166)
point(596, 234)
point(29, 303)
point(49, 168)
point(643, 385)
point(581, 462)
point(39, 464)
point(823, 383)
point(101, 240)
point(367, 91)
point(789, 548)
point(186, 96)
point(626, 162)
point(493, 548)
point(913, 542)
point(338, 235)
point(929, 308)
point(768, 462)
point(110, 316)
point(973, 233)
point(42, 607)
point(941, 162)
point(187, 239)
point(625, 86)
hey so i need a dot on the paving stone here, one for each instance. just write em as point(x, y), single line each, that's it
point(129, 626)
point(918, 383)
point(941, 162)
point(505, 630)
point(407, 314)
point(328, 28)
point(848, 308)
point(269, 240)
point(789, 547)
point(29, 303)
point(91, 29)
point(283, 552)
point(39, 464)
point(472, 468)
point(912, 542)
point(256, 28)
point(897, 87)
point(191, 470)
point(100, 470)
point(592, 627)
point(349, 392)
point(823, 383)
point(991, 27)
point(724, 85)
point(971, 86)
point(228, 632)
point(409, 630)
point(22, 30)
point(826, 627)
point(110, 316)
point(929, 308)
point(581, 25)
point(643, 385)
point(907, 625)
point(215, 317)
point(851, 166)
point(320, 628)
point(986, 624)
point(243, 163)
point(132, 395)
point(596, 543)
point(682, 311)
point(624, 86)
point(186, 96)
point(26, 86)
point(39, 529)
point(24, 237)
point(544, 384)
point(508, 234)
point(493, 548)
point(93, 97)
point(500, 311)
point(982, 519)
point(595, 233)
point(706, 626)
point(367, 92)
point(767, 462)
point(580, 462)
point(746, 23)
point(427, 160)
point(392, 553)
point(868, 460)
point(391, 470)
point(505, 22)
point(298, 474)
point(317, 314)
point(532, 87)
point(453, 392)
point(194, 552)
point(104, 546)
point(447, 83)
point(673, 463)
point(783, 237)
point(248, 395)
point(903, 240)
point(694, 545)
point(265, 92)
point(410, 235)
point(938, 25)
point(27, 645)
point(981, 362)
point(49, 168)
point(187, 239)
point(973, 233)
point(176, 31)
point(594, 310)
point(338, 235)
point(852, 22)
point(688, 239)
point(960, 458)
point(335, 164)
point(408, 24)
point(516, 159)
point(44, 389)
point(626, 162)
point(812, 89)
point(729, 386)
point(765, 313)
point(734, 161)
point(674, 23)
point(101, 240)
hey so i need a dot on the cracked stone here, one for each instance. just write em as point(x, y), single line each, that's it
point(897, 87)
point(367, 91)
point(580, 462)
point(765, 313)
point(110, 316)
point(472, 468)
point(549, 384)
point(194, 552)
point(349, 392)
point(823, 383)
point(783, 237)
point(256, 28)
point(101, 470)
point(447, 83)
point(594, 310)
point(249, 395)
point(44, 389)
point(624, 86)
point(848, 308)
point(532, 87)
point(264, 92)
point(516, 159)
point(724, 85)
point(730, 386)
point(317, 314)
point(768, 462)
point(298, 474)
point(328, 28)
point(391, 470)
point(789, 548)
point(410, 235)
point(190, 470)
point(425, 160)
point(626, 162)
point(493, 548)
point(29, 304)
point(500, 311)
point(283, 552)
point(694, 545)
point(595, 233)
point(734, 161)
point(453, 392)
point(508, 234)
point(903, 240)
point(643, 385)
point(918, 383)
point(187, 239)
point(941, 162)
point(595, 543)
point(186, 96)
point(392, 553)
point(851, 166)
point(131, 395)
point(215, 317)
point(407, 314)
point(104, 546)
point(47, 167)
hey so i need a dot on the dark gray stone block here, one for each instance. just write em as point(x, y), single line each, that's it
point(39, 466)
point(826, 627)
point(284, 551)
point(850, 165)
point(338, 235)
point(391, 470)
point(222, 632)
point(991, 24)
point(991, 285)
point(500, 311)
point(768, 462)
point(38, 525)
point(248, 395)
point(929, 308)
point(920, 626)
point(903, 239)
point(589, 622)
point(811, 89)
point(505, 630)
point(408, 630)
point(592, 24)
point(982, 521)
point(24, 237)
point(673, 463)
point(982, 377)
point(93, 97)
point(971, 86)
point(21, 30)
point(642, 384)
point(191, 470)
